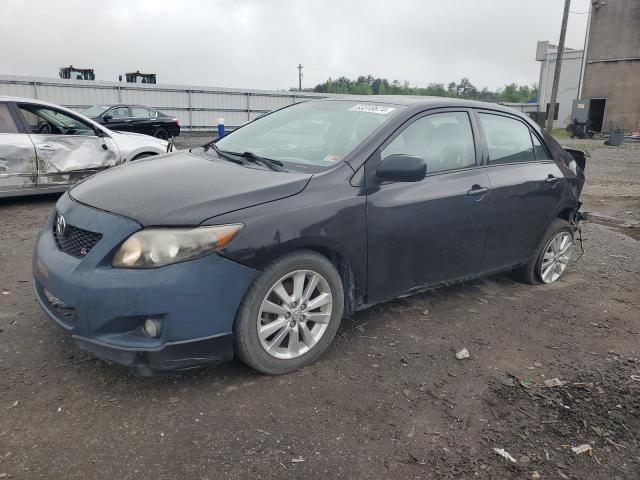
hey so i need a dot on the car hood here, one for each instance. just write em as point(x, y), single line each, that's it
point(136, 139)
point(183, 189)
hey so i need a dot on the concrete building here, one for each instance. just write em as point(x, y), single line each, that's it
point(612, 71)
point(569, 84)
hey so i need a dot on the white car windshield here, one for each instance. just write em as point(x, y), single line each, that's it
point(312, 133)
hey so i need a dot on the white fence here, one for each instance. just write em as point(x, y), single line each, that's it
point(197, 108)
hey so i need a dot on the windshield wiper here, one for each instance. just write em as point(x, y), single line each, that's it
point(247, 157)
point(225, 155)
point(275, 165)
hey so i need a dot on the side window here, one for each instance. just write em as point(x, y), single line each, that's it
point(443, 140)
point(539, 149)
point(508, 140)
point(119, 112)
point(140, 112)
point(7, 123)
point(51, 122)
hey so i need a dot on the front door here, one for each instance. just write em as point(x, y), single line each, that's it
point(432, 231)
point(18, 170)
point(118, 119)
point(526, 188)
point(67, 148)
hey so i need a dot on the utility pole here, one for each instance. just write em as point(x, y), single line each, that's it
point(551, 113)
point(585, 51)
point(300, 77)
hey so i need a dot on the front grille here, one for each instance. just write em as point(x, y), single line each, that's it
point(76, 241)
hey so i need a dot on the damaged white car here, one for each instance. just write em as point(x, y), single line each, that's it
point(46, 148)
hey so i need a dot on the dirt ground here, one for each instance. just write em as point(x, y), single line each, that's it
point(388, 400)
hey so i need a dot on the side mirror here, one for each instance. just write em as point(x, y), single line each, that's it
point(402, 168)
point(106, 118)
point(99, 132)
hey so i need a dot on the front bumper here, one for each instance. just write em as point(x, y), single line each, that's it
point(103, 308)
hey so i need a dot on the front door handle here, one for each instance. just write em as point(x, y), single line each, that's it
point(477, 190)
point(551, 179)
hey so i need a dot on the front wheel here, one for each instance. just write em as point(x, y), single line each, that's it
point(552, 257)
point(290, 314)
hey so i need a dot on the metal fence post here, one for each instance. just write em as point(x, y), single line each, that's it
point(249, 106)
point(190, 110)
point(35, 89)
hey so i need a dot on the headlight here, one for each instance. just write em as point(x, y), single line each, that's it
point(157, 247)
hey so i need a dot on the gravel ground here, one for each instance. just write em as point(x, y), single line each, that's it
point(388, 400)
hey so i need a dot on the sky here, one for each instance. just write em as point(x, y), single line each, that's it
point(259, 43)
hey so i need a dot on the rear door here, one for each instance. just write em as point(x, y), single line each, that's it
point(18, 170)
point(143, 120)
point(67, 147)
point(526, 189)
point(432, 231)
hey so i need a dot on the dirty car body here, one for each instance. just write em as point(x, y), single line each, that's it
point(398, 194)
point(46, 148)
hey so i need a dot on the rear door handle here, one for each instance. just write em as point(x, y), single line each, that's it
point(551, 179)
point(477, 190)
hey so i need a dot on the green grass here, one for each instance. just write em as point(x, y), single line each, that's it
point(560, 133)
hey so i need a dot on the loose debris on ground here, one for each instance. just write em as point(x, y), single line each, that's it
point(586, 427)
point(550, 369)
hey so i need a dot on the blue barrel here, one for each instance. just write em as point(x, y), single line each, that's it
point(221, 127)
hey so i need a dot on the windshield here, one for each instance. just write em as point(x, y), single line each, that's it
point(95, 111)
point(316, 134)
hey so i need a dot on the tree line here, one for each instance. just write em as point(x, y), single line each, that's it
point(368, 85)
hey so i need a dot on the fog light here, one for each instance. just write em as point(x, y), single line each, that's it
point(151, 327)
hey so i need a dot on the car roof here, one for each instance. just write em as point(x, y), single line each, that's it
point(111, 105)
point(8, 98)
point(421, 101)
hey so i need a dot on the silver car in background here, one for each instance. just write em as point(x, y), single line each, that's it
point(46, 148)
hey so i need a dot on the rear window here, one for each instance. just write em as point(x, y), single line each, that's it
point(508, 140)
point(141, 112)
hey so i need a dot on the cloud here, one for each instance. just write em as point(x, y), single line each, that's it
point(259, 43)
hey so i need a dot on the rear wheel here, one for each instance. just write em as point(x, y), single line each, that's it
point(161, 133)
point(552, 257)
point(290, 315)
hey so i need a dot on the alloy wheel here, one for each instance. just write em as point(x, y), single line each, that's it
point(294, 314)
point(556, 257)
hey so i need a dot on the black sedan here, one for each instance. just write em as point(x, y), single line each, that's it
point(135, 118)
point(259, 242)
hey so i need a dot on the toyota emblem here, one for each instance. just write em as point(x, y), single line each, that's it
point(61, 225)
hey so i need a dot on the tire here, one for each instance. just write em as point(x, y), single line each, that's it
point(313, 338)
point(161, 133)
point(532, 272)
